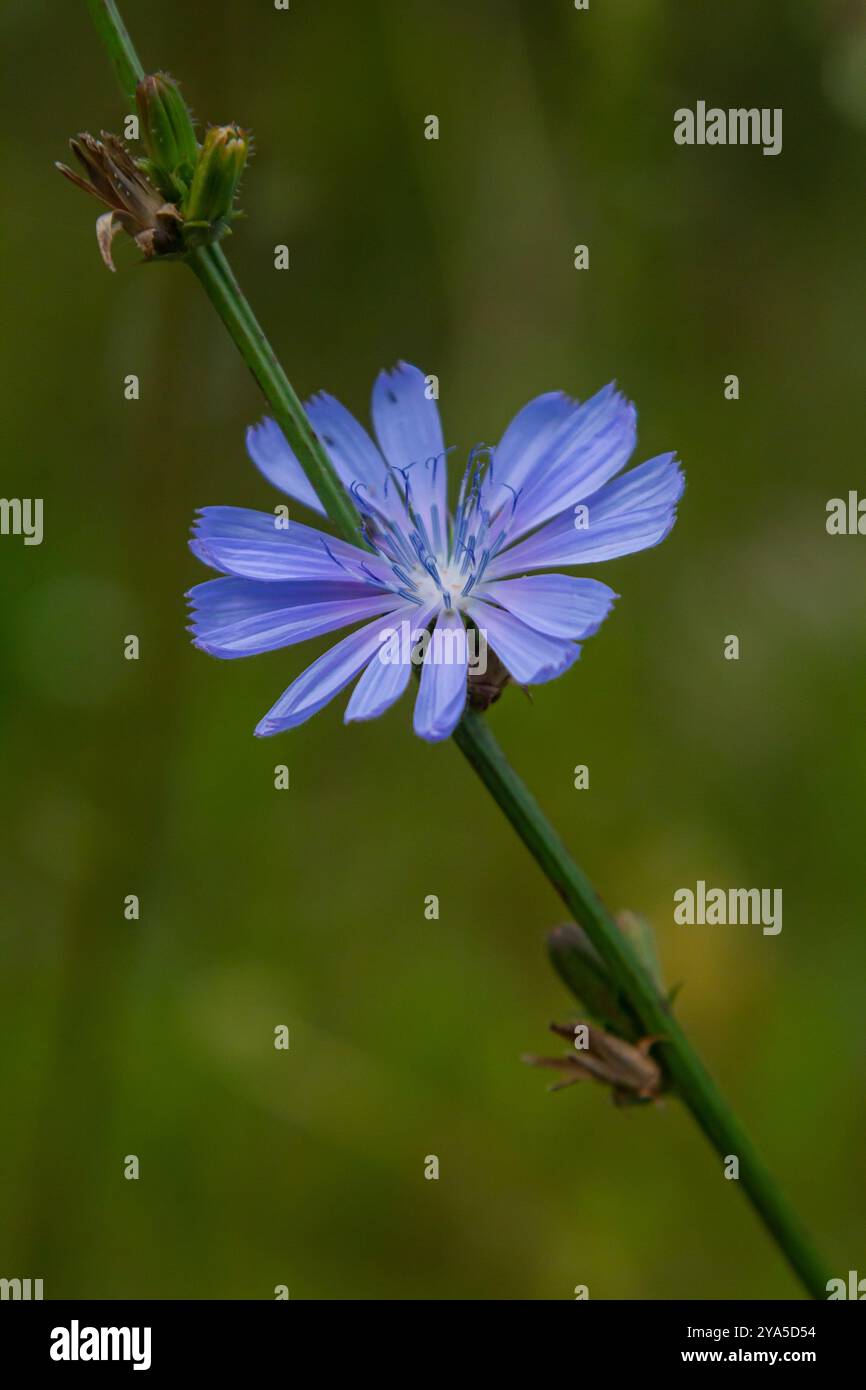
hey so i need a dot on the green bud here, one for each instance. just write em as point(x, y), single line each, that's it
point(221, 162)
point(167, 133)
point(584, 973)
point(642, 937)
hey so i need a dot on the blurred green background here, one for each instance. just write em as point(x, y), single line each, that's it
point(305, 907)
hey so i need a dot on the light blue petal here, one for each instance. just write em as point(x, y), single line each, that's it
point(384, 682)
point(379, 686)
point(657, 483)
point(633, 513)
point(272, 454)
point(251, 544)
point(410, 436)
point(530, 656)
point(230, 600)
point(328, 675)
point(442, 694)
point(595, 443)
point(354, 455)
point(242, 617)
point(523, 446)
point(555, 604)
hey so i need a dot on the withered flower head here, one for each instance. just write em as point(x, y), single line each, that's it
point(628, 1068)
point(115, 179)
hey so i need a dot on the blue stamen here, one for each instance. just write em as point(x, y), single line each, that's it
point(370, 575)
point(332, 556)
point(430, 566)
point(403, 577)
point(515, 495)
point(405, 473)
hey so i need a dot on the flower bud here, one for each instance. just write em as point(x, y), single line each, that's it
point(642, 938)
point(167, 133)
point(584, 973)
point(215, 182)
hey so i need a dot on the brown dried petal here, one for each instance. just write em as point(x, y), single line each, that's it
point(107, 227)
point(135, 205)
point(629, 1070)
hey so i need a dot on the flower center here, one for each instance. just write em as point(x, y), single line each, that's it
point(449, 586)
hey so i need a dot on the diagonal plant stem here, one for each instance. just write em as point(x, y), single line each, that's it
point(121, 50)
point(475, 740)
point(215, 273)
point(691, 1079)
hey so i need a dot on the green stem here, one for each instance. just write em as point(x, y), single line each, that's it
point(121, 50)
point(473, 737)
point(215, 274)
point(693, 1082)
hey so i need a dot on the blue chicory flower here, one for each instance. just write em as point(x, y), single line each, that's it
point(546, 496)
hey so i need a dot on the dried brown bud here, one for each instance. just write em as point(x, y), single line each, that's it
point(115, 179)
point(632, 1074)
